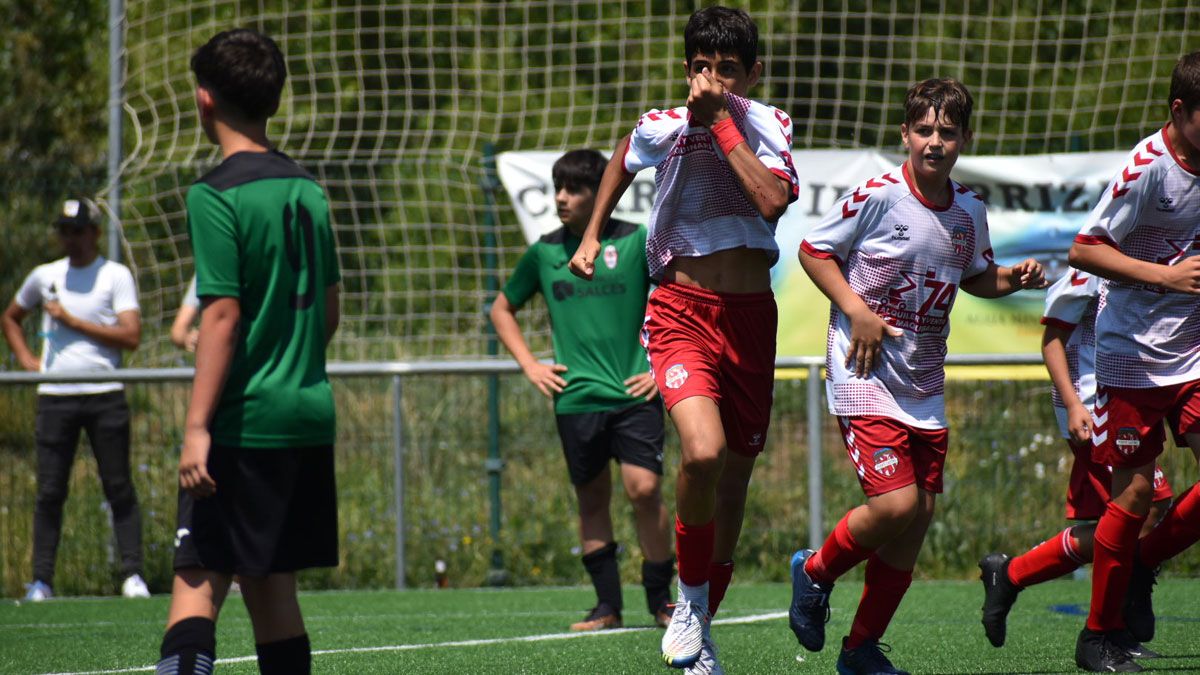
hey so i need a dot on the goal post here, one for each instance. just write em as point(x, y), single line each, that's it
point(390, 104)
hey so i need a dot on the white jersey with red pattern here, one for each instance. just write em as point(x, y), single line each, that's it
point(700, 207)
point(905, 257)
point(1071, 304)
point(1147, 336)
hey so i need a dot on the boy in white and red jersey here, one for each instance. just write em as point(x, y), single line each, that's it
point(725, 176)
point(1069, 348)
point(891, 256)
point(1142, 237)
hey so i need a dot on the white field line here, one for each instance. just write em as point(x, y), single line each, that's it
point(753, 618)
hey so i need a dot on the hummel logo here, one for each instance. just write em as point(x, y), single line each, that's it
point(1166, 204)
point(901, 232)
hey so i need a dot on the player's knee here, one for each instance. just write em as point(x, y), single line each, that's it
point(703, 464)
point(895, 514)
point(645, 496)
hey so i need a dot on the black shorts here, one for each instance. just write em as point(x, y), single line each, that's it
point(275, 510)
point(631, 435)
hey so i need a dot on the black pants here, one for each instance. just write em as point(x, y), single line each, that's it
point(105, 417)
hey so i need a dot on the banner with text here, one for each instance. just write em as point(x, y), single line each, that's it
point(1036, 204)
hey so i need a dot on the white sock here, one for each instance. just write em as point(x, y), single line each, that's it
point(697, 595)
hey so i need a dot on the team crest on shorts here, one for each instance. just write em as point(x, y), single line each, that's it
point(1128, 440)
point(1160, 481)
point(886, 462)
point(675, 376)
point(610, 257)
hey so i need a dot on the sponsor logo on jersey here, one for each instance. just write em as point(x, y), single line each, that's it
point(1128, 440)
point(886, 462)
point(180, 534)
point(563, 290)
point(901, 233)
point(675, 376)
point(610, 256)
point(566, 289)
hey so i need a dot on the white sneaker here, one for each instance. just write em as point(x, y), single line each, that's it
point(684, 638)
point(135, 587)
point(37, 592)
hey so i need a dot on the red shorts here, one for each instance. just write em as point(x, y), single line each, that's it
point(720, 346)
point(1091, 485)
point(1129, 421)
point(888, 454)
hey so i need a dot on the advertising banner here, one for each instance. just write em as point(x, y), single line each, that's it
point(1036, 204)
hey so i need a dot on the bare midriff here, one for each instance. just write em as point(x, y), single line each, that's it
point(735, 270)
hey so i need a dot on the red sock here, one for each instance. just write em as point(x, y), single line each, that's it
point(1114, 544)
point(693, 550)
point(838, 554)
point(1179, 529)
point(719, 575)
point(1050, 559)
point(884, 589)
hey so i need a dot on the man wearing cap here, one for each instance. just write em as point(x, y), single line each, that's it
point(89, 315)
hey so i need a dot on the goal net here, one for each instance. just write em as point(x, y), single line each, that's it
point(395, 106)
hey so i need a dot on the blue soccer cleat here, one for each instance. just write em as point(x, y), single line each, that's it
point(810, 604)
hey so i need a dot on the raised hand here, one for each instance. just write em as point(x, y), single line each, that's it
point(583, 263)
point(706, 100)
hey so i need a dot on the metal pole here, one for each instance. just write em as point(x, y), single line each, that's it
point(116, 96)
point(398, 475)
point(496, 575)
point(816, 524)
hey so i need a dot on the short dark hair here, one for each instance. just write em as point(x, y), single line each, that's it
point(579, 169)
point(945, 96)
point(244, 70)
point(1185, 82)
point(721, 30)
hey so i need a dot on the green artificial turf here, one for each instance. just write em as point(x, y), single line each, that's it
point(524, 631)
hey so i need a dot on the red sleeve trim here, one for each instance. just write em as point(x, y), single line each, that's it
point(787, 178)
point(818, 253)
point(1057, 323)
point(1092, 240)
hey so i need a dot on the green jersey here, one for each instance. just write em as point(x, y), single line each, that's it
point(595, 324)
point(260, 233)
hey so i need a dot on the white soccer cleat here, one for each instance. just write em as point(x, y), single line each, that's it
point(135, 587)
point(707, 664)
point(38, 592)
point(684, 639)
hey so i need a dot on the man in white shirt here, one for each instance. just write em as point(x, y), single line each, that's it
point(89, 315)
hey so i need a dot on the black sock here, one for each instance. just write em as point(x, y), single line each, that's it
point(656, 579)
point(601, 565)
point(189, 647)
point(287, 657)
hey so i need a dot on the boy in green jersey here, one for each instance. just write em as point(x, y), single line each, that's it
point(605, 401)
point(257, 494)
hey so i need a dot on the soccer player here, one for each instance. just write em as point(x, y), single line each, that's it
point(90, 314)
point(256, 472)
point(1141, 237)
point(725, 176)
point(891, 256)
point(1069, 348)
point(605, 401)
